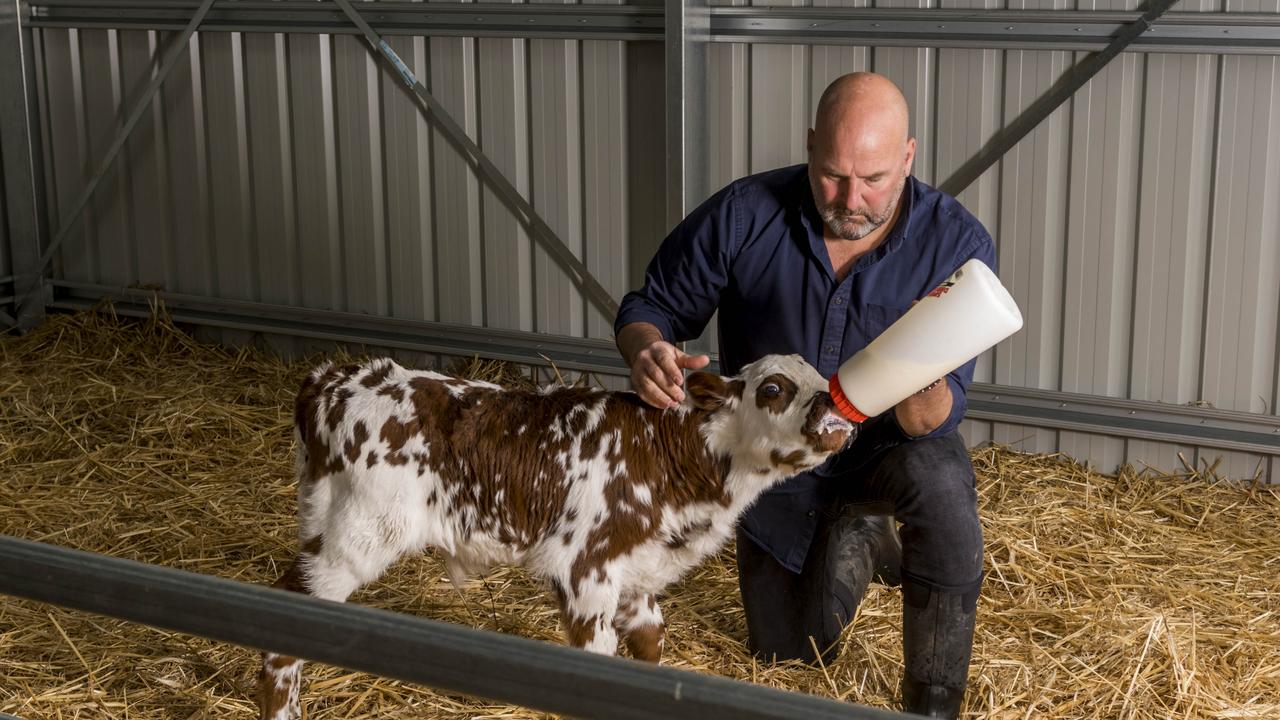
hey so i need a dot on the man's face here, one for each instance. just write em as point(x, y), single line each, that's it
point(857, 178)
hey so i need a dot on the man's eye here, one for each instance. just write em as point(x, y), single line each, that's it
point(771, 390)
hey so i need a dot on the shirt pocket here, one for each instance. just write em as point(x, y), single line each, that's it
point(875, 319)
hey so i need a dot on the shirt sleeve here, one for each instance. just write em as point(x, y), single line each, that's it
point(981, 247)
point(683, 282)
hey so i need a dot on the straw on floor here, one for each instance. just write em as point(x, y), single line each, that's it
point(1137, 595)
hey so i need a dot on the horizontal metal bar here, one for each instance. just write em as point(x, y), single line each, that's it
point(1135, 419)
point(1013, 29)
point(1118, 417)
point(505, 668)
point(582, 354)
point(617, 22)
point(1215, 32)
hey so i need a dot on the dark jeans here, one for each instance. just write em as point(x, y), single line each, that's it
point(929, 487)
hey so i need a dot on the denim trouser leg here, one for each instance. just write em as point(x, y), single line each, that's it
point(929, 486)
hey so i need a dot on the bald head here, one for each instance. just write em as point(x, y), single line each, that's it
point(865, 104)
point(860, 154)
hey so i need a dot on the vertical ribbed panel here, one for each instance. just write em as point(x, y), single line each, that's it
point(1243, 298)
point(314, 165)
point(606, 188)
point(1179, 127)
point(504, 137)
point(459, 288)
point(646, 156)
point(411, 239)
point(1101, 226)
point(555, 125)
point(1030, 237)
point(360, 181)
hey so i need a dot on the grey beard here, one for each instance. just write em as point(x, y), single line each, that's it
point(837, 219)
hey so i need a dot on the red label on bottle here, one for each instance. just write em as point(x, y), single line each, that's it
point(941, 289)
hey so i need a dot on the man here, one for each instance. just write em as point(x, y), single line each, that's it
point(819, 259)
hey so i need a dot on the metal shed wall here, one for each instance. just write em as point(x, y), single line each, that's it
point(292, 168)
point(1137, 226)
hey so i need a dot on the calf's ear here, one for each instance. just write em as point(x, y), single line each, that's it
point(708, 391)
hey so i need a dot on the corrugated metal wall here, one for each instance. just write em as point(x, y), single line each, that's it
point(1137, 226)
point(294, 169)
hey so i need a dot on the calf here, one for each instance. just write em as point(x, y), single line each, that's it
point(600, 495)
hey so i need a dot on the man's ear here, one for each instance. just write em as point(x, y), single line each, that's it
point(706, 390)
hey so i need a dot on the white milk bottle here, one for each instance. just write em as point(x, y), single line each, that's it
point(958, 320)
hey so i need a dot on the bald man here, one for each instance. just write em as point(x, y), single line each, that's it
point(818, 260)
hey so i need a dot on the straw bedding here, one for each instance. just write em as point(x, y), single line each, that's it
point(1138, 595)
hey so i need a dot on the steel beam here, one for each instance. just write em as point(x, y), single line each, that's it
point(1130, 419)
point(436, 654)
point(687, 136)
point(19, 133)
point(616, 22)
point(1055, 410)
point(579, 354)
point(1085, 30)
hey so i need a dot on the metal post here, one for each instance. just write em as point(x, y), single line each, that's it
point(18, 128)
point(688, 32)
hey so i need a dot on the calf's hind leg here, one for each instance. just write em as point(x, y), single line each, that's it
point(325, 572)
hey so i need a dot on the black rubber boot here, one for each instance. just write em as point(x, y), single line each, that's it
point(937, 642)
point(862, 548)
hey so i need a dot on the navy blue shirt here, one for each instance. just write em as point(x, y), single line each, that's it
point(755, 251)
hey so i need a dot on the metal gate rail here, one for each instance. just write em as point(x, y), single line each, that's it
point(450, 657)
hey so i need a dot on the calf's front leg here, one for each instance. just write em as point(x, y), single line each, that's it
point(588, 609)
point(639, 622)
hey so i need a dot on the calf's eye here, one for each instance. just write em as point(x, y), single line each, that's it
point(771, 390)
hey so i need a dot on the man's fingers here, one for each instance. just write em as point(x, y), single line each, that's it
point(668, 363)
point(693, 362)
point(653, 393)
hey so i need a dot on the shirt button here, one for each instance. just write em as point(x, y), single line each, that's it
point(811, 513)
point(830, 349)
point(839, 301)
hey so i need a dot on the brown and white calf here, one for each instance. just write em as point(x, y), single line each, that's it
point(605, 498)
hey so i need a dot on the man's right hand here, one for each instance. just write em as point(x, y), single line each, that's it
point(657, 366)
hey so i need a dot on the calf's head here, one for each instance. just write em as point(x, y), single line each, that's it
point(776, 412)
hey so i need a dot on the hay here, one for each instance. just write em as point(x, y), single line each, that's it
point(1128, 596)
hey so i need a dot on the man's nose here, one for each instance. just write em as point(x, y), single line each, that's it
point(850, 191)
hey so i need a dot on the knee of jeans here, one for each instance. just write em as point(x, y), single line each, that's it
point(934, 467)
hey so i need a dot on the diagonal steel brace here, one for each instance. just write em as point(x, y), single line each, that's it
point(525, 213)
point(1066, 86)
point(122, 135)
